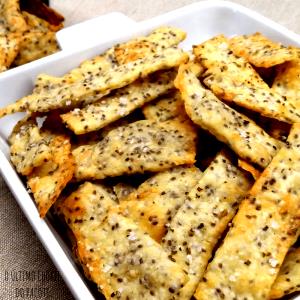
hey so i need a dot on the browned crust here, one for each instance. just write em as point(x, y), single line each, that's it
point(47, 181)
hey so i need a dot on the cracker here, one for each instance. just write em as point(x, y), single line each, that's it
point(100, 64)
point(9, 47)
point(11, 17)
point(240, 133)
point(233, 79)
point(166, 108)
point(200, 221)
point(28, 146)
point(136, 148)
point(287, 80)
point(99, 114)
point(157, 200)
point(48, 180)
point(83, 210)
point(36, 23)
point(73, 94)
point(129, 264)
point(94, 137)
point(35, 45)
point(97, 66)
point(249, 168)
point(86, 207)
point(157, 40)
point(122, 190)
point(260, 51)
point(215, 53)
point(288, 279)
point(265, 227)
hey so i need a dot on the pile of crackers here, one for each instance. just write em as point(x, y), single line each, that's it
point(27, 32)
point(178, 173)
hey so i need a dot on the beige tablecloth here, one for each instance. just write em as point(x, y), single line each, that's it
point(25, 267)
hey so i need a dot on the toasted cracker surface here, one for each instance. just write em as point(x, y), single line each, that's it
point(161, 38)
point(9, 48)
point(151, 274)
point(156, 201)
point(288, 279)
point(11, 17)
point(246, 264)
point(36, 23)
point(35, 45)
point(74, 93)
point(260, 51)
point(129, 264)
point(136, 148)
point(86, 207)
point(233, 79)
point(240, 133)
point(84, 210)
point(111, 108)
point(97, 66)
point(29, 148)
point(287, 80)
point(166, 108)
point(199, 223)
point(48, 180)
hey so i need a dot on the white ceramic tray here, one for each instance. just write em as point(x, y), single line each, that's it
point(200, 20)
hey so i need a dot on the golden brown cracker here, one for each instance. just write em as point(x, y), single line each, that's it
point(157, 200)
point(95, 137)
point(165, 108)
point(116, 254)
point(136, 148)
point(129, 264)
point(29, 148)
point(287, 80)
point(265, 227)
point(35, 45)
point(11, 17)
point(199, 223)
point(111, 108)
point(36, 23)
point(160, 38)
point(260, 51)
point(288, 279)
point(233, 79)
point(247, 262)
point(240, 133)
point(48, 180)
point(86, 207)
point(73, 94)
point(9, 48)
point(97, 66)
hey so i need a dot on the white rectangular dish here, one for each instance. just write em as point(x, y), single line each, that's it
point(200, 20)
